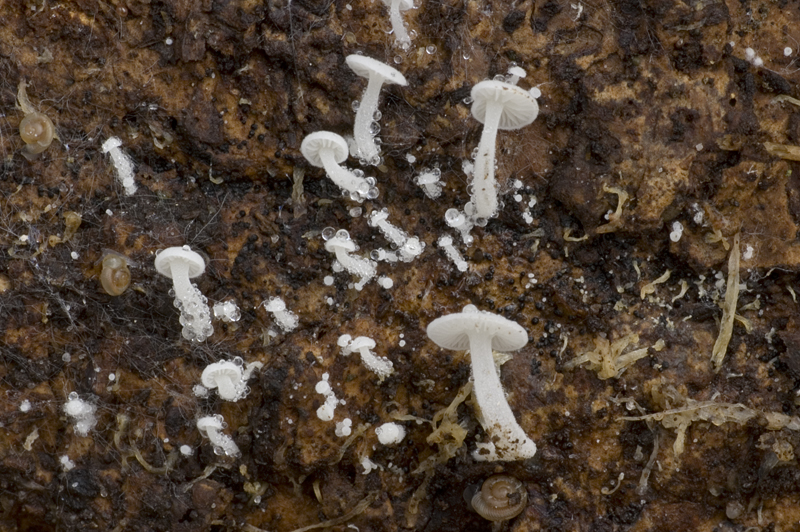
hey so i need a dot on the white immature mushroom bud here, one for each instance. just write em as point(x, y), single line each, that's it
point(122, 163)
point(211, 427)
point(182, 264)
point(429, 181)
point(287, 320)
point(392, 233)
point(377, 74)
point(82, 413)
point(446, 243)
point(362, 345)
point(401, 36)
point(327, 150)
point(461, 223)
point(482, 332)
point(497, 105)
point(342, 246)
point(390, 433)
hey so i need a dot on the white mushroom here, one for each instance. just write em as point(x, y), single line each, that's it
point(287, 320)
point(481, 332)
point(377, 74)
point(182, 264)
point(497, 105)
point(390, 433)
point(212, 427)
point(226, 377)
point(324, 149)
point(401, 36)
point(363, 345)
point(342, 246)
point(446, 243)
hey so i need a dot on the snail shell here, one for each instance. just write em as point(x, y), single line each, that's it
point(501, 497)
point(115, 276)
point(37, 131)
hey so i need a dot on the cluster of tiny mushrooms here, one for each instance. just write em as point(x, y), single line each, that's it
point(499, 104)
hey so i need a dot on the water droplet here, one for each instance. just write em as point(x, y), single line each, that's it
point(377, 115)
point(358, 172)
point(397, 60)
point(355, 104)
point(371, 181)
point(430, 49)
point(238, 361)
point(374, 128)
point(465, 55)
point(499, 77)
point(373, 193)
point(328, 233)
point(468, 100)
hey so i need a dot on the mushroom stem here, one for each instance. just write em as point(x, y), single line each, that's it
point(512, 440)
point(180, 280)
point(356, 266)
point(343, 178)
point(484, 186)
point(226, 387)
point(365, 141)
point(400, 33)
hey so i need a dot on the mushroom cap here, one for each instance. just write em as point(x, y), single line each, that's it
point(405, 5)
point(519, 106)
point(209, 422)
point(166, 257)
point(366, 67)
point(361, 342)
point(225, 367)
point(110, 144)
point(453, 331)
point(517, 71)
point(314, 143)
point(275, 304)
point(337, 242)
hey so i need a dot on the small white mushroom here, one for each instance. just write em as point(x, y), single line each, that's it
point(212, 427)
point(481, 332)
point(390, 433)
point(343, 247)
point(363, 345)
point(377, 74)
point(122, 163)
point(226, 377)
point(82, 413)
point(401, 36)
point(182, 264)
point(461, 223)
point(327, 150)
point(287, 320)
point(497, 105)
point(429, 180)
point(446, 243)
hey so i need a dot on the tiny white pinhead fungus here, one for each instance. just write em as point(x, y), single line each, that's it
point(400, 34)
point(390, 433)
point(226, 377)
point(497, 105)
point(212, 427)
point(182, 264)
point(481, 332)
point(342, 246)
point(324, 149)
point(377, 74)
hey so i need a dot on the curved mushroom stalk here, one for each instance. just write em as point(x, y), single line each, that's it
point(362, 131)
point(400, 33)
point(513, 443)
point(226, 387)
point(484, 194)
point(363, 268)
point(344, 178)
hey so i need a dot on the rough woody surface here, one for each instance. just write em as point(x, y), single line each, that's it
point(655, 102)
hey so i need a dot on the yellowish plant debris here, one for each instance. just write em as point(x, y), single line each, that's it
point(650, 287)
point(680, 412)
point(615, 218)
point(729, 307)
point(569, 238)
point(684, 289)
point(786, 98)
point(607, 358)
point(784, 151)
point(716, 236)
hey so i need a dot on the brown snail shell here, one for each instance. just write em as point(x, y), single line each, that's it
point(115, 276)
point(501, 497)
point(37, 131)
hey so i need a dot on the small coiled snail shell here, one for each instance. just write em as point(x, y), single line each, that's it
point(115, 276)
point(37, 130)
point(501, 497)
